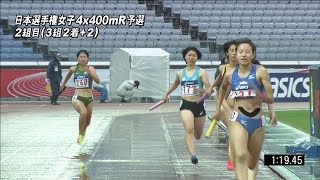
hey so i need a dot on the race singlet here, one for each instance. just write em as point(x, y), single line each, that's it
point(82, 82)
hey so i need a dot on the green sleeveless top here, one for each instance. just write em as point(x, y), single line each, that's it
point(82, 79)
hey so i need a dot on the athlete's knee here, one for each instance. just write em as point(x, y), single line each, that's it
point(252, 165)
point(83, 113)
point(241, 156)
point(189, 131)
point(197, 134)
point(252, 162)
point(89, 113)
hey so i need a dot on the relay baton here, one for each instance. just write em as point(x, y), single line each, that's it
point(48, 88)
point(211, 127)
point(62, 91)
point(156, 105)
point(203, 97)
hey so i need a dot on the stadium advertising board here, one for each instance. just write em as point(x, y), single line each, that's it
point(290, 87)
point(287, 85)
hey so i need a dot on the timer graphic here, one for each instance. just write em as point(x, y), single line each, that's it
point(284, 159)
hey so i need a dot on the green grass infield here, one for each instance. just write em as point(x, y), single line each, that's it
point(299, 119)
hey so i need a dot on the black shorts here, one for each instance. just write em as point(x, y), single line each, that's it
point(198, 110)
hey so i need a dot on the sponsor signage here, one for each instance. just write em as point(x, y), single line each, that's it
point(290, 87)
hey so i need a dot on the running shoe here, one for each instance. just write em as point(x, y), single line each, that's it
point(230, 165)
point(82, 168)
point(194, 159)
point(80, 139)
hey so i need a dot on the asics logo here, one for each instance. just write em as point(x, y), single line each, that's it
point(242, 87)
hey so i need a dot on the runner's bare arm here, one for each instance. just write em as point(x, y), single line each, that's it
point(217, 80)
point(222, 93)
point(265, 81)
point(66, 79)
point(205, 80)
point(225, 103)
point(172, 87)
point(93, 73)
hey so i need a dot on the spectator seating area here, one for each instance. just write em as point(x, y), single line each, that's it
point(282, 29)
point(12, 50)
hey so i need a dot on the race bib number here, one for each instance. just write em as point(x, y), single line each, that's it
point(190, 90)
point(233, 116)
point(82, 83)
point(243, 94)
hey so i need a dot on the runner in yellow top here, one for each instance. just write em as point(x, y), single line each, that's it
point(231, 63)
point(82, 101)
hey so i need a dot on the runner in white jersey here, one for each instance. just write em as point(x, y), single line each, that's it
point(191, 78)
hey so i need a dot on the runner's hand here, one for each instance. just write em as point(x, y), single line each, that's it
point(165, 98)
point(62, 88)
point(47, 80)
point(273, 119)
point(216, 115)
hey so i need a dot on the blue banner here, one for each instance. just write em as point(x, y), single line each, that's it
point(290, 87)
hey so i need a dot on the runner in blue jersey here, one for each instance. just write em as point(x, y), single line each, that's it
point(250, 87)
point(192, 80)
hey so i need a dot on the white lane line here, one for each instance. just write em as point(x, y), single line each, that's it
point(4, 105)
point(18, 82)
point(60, 171)
point(173, 154)
point(11, 85)
point(293, 109)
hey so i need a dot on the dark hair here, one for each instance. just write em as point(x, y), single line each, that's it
point(247, 41)
point(186, 50)
point(224, 60)
point(255, 61)
point(137, 83)
point(54, 55)
point(227, 45)
point(83, 51)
